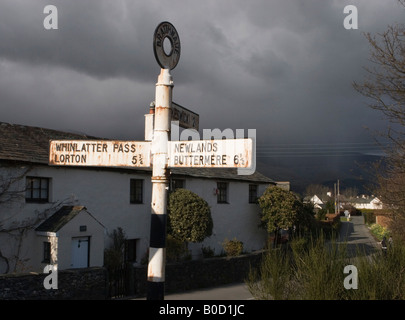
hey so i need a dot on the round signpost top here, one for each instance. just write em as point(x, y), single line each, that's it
point(165, 30)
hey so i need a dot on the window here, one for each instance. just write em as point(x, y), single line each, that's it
point(253, 193)
point(47, 252)
point(130, 250)
point(177, 184)
point(136, 191)
point(222, 192)
point(37, 189)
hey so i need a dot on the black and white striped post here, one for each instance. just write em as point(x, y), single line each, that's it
point(160, 185)
point(160, 141)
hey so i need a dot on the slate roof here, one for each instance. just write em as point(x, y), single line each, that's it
point(362, 200)
point(31, 144)
point(61, 217)
point(221, 173)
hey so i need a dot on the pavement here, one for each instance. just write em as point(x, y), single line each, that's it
point(235, 291)
point(238, 291)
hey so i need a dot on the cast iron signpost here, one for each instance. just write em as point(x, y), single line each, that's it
point(103, 153)
point(211, 153)
point(160, 153)
point(166, 30)
point(186, 118)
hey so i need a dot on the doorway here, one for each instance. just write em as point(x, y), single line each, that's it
point(80, 252)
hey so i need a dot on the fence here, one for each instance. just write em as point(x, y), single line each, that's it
point(118, 282)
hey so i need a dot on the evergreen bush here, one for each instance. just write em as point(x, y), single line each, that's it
point(233, 247)
point(189, 216)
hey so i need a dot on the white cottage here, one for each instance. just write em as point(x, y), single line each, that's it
point(65, 239)
point(50, 213)
point(367, 203)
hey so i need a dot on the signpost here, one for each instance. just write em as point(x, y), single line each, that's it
point(187, 119)
point(230, 153)
point(100, 153)
point(233, 153)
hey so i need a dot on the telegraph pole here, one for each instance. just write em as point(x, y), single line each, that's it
point(335, 195)
point(160, 141)
point(338, 197)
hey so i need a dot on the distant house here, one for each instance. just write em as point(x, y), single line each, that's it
point(316, 201)
point(65, 214)
point(283, 185)
point(319, 202)
point(366, 203)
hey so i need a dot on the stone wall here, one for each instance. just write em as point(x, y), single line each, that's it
point(196, 274)
point(80, 284)
point(92, 283)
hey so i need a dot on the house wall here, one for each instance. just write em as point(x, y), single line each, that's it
point(106, 195)
point(376, 203)
point(12, 195)
point(36, 247)
point(236, 219)
point(369, 205)
point(71, 230)
point(315, 200)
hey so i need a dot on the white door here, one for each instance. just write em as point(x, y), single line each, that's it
point(80, 252)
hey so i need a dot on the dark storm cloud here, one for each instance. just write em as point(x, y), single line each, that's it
point(100, 38)
point(282, 67)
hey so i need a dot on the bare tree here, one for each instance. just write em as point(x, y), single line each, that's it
point(9, 193)
point(10, 188)
point(351, 192)
point(19, 229)
point(316, 189)
point(13, 227)
point(385, 85)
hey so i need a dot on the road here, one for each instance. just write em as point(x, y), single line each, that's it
point(357, 236)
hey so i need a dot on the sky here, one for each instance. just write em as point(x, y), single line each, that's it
point(282, 67)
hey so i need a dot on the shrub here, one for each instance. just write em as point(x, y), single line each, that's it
point(176, 250)
point(299, 244)
point(272, 279)
point(382, 276)
point(369, 217)
point(114, 254)
point(379, 231)
point(311, 269)
point(189, 216)
point(279, 209)
point(208, 252)
point(232, 247)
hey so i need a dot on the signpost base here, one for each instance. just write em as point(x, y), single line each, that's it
point(156, 291)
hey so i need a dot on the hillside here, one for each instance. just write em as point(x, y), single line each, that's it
point(353, 170)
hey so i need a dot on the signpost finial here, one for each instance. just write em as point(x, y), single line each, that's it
point(165, 30)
